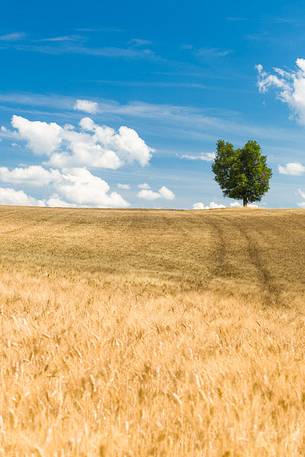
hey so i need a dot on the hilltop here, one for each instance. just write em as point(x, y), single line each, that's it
point(259, 250)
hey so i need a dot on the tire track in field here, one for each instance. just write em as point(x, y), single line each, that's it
point(220, 249)
point(188, 229)
point(206, 269)
point(268, 286)
point(222, 226)
point(212, 228)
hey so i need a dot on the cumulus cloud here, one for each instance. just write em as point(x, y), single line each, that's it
point(214, 205)
point(205, 156)
point(290, 87)
point(126, 143)
point(123, 186)
point(9, 196)
point(92, 146)
point(148, 194)
point(70, 153)
point(198, 205)
point(56, 202)
point(144, 185)
point(85, 153)
point(166, 193)
point(292, 168)
point(41, 137)
point(235, 205)
point(86, 106)
point(211, 205)
point(80, 187)
point(34, 175)
point(68, 187)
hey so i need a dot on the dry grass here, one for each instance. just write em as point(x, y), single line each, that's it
point(152, 333)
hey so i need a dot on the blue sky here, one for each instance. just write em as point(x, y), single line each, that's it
point(179, 75)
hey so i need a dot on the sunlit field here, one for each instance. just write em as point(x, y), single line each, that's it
point(152, 333)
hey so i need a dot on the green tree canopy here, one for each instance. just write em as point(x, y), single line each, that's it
point(241, 173)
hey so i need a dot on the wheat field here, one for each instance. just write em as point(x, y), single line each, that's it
point(152, 333)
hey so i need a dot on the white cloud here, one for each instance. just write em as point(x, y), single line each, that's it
point(126, 143)
point(290, 86)
point(61, 39)
point(9, 196)
point(212, 205)
point(166, 193)
point(123, 186)
point(292, 168)
point(144, 186)
point(69, 187)
point(8, 134)
point(42, 138)
point(94, 146)
point(147, 194)
point(56, 202)
point(235, 205)
point(86, 153)
point(205, 156)
point(86, 106)
point(70, 151)
point(34, 175)
point(132, 147)
point(198, 205)
point(80, 187)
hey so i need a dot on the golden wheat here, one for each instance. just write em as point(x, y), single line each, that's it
point(152, 333)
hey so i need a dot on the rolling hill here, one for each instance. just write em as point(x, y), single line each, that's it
point(152, 333)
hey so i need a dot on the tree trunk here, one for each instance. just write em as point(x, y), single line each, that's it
point(245, 202)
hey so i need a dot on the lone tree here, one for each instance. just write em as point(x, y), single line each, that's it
point(241, 173)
